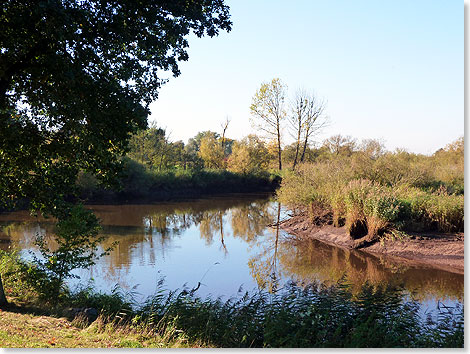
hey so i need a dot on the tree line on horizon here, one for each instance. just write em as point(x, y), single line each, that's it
point(153, 149)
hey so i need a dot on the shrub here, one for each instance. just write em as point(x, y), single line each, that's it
point(76, 236)
point(442, 212)
point(17, 276)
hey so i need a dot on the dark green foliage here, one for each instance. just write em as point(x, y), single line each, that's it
point(110, 304)
point(76, 77)
point(139, 182)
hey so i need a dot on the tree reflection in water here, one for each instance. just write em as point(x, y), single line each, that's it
point(264, 265)
point(148, 234)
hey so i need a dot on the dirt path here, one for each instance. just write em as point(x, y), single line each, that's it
point(444, 251)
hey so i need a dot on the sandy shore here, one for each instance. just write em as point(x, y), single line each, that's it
point(443, 251)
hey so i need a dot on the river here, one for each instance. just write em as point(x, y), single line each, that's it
point(227, 244)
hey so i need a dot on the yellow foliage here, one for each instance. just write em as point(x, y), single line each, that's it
point(211, 152)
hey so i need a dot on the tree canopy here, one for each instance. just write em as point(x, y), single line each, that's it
point(76, 78)
point(267, 108)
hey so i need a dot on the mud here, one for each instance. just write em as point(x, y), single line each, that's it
point(439, 250)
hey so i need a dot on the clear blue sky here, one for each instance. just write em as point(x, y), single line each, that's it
point(392, 70)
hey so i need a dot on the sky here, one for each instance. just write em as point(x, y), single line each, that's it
point(388, 70)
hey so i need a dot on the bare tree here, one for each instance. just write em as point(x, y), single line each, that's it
point(341, 145)
point(268, 107)
point(306, 119)
point(224, 126)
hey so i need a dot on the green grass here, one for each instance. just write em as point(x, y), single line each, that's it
point(25, 330)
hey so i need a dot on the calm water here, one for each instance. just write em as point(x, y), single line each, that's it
point(224, 243)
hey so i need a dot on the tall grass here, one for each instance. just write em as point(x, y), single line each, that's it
point(313, 316)
point(371, 205)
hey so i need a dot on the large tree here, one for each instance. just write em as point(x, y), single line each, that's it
point(76, 78)
point(268, 109)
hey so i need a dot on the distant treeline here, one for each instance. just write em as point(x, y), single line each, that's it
point(139, 183)
point(157, 168)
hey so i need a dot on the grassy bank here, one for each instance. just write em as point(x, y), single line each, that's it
point(312, 316)
point(138, 182)
point(376, 198)
point(29, 330)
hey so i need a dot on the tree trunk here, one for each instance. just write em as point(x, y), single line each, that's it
point(307, 134)
point(303, 150)
point(297, 148)
point(279, 146)
point(3, 299)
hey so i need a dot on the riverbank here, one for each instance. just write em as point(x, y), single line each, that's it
point(313, 316)
point(141, 185)
point(440, 250)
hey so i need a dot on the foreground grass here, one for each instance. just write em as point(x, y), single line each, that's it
point(26, 330)
point(315, 316)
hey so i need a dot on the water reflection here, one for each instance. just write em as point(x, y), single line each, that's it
point(306, 261)
point(184, 240)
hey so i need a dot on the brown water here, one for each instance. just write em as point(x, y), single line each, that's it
point(223, 243)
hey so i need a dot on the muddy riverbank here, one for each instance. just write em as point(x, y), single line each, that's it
point(439, 250)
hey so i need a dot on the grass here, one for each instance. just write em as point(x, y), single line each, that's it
point(26, 330)
point(315, 316)
point(371, 208)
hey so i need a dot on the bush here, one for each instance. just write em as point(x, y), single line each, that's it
point(441, 212)
point(17, 276)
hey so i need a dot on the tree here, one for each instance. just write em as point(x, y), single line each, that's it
point(77, 247)
point(211, 152)
point(224, 126)
point(76, 78)
point(148, 146)
point(372, 148)
point(306, 119)
point(268, 108)
point(341, 145)
point(249, 155)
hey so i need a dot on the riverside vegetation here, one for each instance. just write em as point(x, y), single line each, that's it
point(75, 114)
point(378, 194)
point(311, 316)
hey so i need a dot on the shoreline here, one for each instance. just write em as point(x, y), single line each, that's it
point(438, 250)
